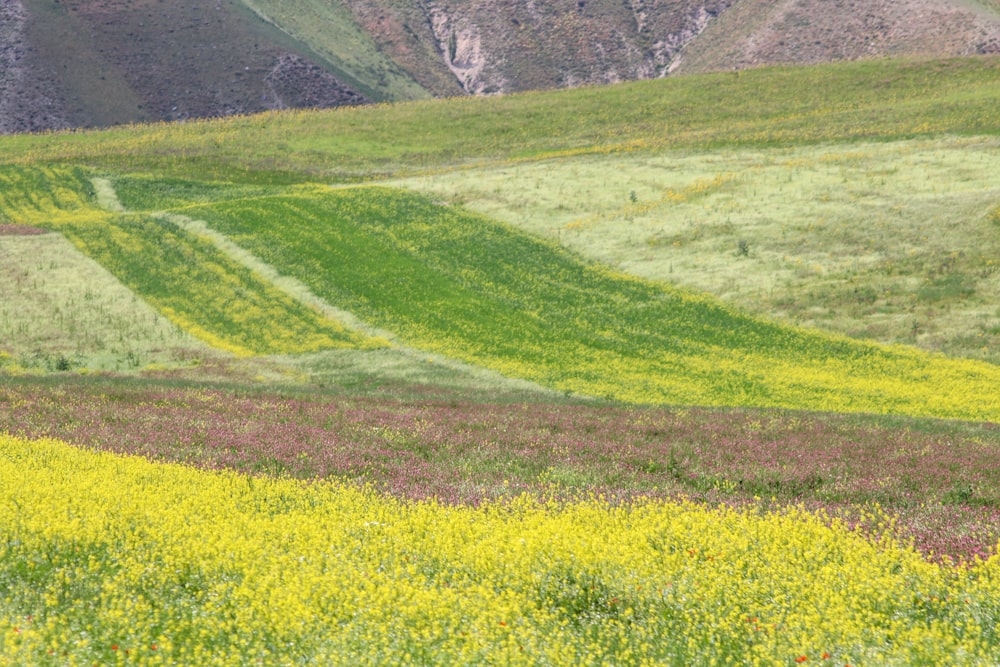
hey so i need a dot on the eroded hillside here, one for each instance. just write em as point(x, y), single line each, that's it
point(75, 63)
point(69, 63)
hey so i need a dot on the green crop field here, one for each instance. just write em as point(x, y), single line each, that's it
point(747, 324)
point(888, 241)
point(466, 287)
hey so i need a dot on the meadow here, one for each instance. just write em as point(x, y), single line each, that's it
point(183, 566)
point(940, 480)
point(887, 241)
point(695, 371)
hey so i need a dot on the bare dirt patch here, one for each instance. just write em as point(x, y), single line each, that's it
point(21, 230)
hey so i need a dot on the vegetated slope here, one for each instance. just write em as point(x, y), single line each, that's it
point(184, 276)
point(461, 285)
point(645, 122)
point(331, 30)
point(465, 287)
point(887, 240)
point(761, 108)
point(806, 105)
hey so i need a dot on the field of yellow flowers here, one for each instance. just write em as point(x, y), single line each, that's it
point(115, 560)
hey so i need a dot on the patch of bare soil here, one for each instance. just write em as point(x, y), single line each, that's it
point(297, 83)
point(28, 99)
point(764, 32)
point(21, 230)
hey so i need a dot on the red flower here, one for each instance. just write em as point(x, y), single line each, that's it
point(801, 659)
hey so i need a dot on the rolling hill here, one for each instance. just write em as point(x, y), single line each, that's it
point(72, 63)
point(384, 266)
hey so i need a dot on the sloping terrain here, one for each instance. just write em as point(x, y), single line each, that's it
point(331, 30)
point(895, 241)
point(75, 63)
point(487, 296)
point(636, 509)
point(522, 44)
point(29, 99)
point(465, 287)
point(762, 32)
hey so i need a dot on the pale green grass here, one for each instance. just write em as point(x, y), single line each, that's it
point(993, 6)
point(107, 198)
point(890, 241)
point(61, 310)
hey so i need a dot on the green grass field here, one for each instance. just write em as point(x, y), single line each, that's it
point(888, 241)
point(465, 287)
point(766, 108)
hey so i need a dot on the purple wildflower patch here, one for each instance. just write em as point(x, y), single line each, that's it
point(941, 479)
point(7, 229)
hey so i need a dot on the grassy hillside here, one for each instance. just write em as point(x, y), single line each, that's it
point(569, 325)
point(464, 287)
point(760, 108)
point(186, 278)
point(889, 241)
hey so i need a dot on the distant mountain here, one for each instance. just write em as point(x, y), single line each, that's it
point(85, 63)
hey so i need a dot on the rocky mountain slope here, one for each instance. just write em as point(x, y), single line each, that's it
point(69, 63)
